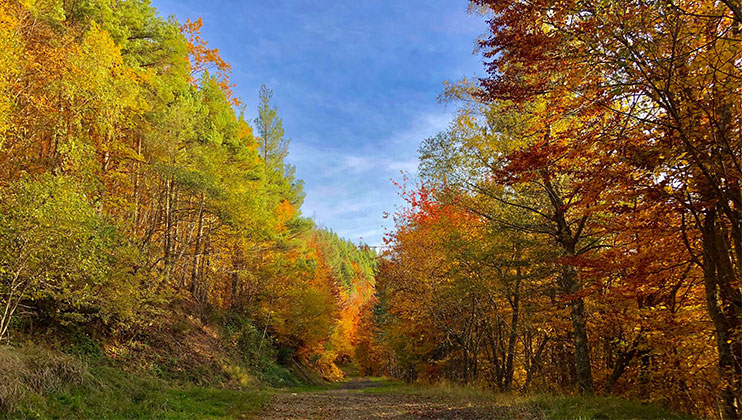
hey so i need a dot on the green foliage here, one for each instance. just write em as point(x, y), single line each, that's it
point(274, 148)
point(56, 250)
point(344, 258)
point(83, 346)
point(257, 349)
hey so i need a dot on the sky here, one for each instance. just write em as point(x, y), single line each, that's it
point(356, 84)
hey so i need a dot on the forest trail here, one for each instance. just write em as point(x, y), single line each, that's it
point(364, 398)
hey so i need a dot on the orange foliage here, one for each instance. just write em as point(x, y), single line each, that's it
point(203, 59)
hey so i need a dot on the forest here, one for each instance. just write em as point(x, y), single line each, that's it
point(136, 197)
point(577, 226)
point(575, 231)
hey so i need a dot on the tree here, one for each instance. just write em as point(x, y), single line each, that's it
point(664, 74)
point(274, 147)
point(491, 167)
point(56, 251)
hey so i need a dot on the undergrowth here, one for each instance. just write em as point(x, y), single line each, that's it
point(188, 368)
point(256, 349)
point(40, 383)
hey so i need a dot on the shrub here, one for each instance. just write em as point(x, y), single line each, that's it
point(257, 349)
point(60, 258)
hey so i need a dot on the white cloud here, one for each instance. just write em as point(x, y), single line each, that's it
point(350, 190)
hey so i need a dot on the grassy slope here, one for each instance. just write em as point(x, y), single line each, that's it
point(182, 369)
point(111, 393)
point(188, 372)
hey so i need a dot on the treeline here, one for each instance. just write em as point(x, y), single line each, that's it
point(577, 228)
point(133, 187)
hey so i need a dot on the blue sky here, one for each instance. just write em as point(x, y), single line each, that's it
point(356, 84)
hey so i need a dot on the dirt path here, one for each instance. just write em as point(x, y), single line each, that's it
point(355, 400)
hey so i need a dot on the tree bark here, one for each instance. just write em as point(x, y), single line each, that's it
point(570, 286)
point(167, 251)
point(724, 304)
point(197, 246)
point(515, 304)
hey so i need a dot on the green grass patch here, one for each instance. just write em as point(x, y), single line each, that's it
point(106, 392)
point(579, 407)
point(537, 406)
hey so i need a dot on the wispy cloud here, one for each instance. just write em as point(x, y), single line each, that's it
point(350, 190)
point(355, 83)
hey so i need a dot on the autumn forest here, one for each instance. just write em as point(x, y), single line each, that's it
point(575, 232)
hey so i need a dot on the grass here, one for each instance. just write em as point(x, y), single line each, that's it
point(536, 406)
point(51, 385)
point(119, 395)
point(34, 371)
point(577, 407)
point(40, 383)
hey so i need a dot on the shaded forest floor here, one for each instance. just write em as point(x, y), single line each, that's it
point(373, 398)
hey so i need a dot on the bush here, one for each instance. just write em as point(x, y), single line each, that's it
point(257, 350)
point(61, 258)
point(83, 346)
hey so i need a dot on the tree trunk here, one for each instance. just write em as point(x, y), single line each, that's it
point(724, 304)
point(583, 370)
point(570, 286)
point(137, 168)
point(515, 304)
point(197, 246)
point(236, 260)
point(167, 247)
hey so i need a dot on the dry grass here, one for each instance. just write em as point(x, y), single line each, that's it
point(30, 370)
point(532, 406)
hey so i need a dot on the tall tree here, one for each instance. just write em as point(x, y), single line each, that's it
point(667, 74)
point(274, 147)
